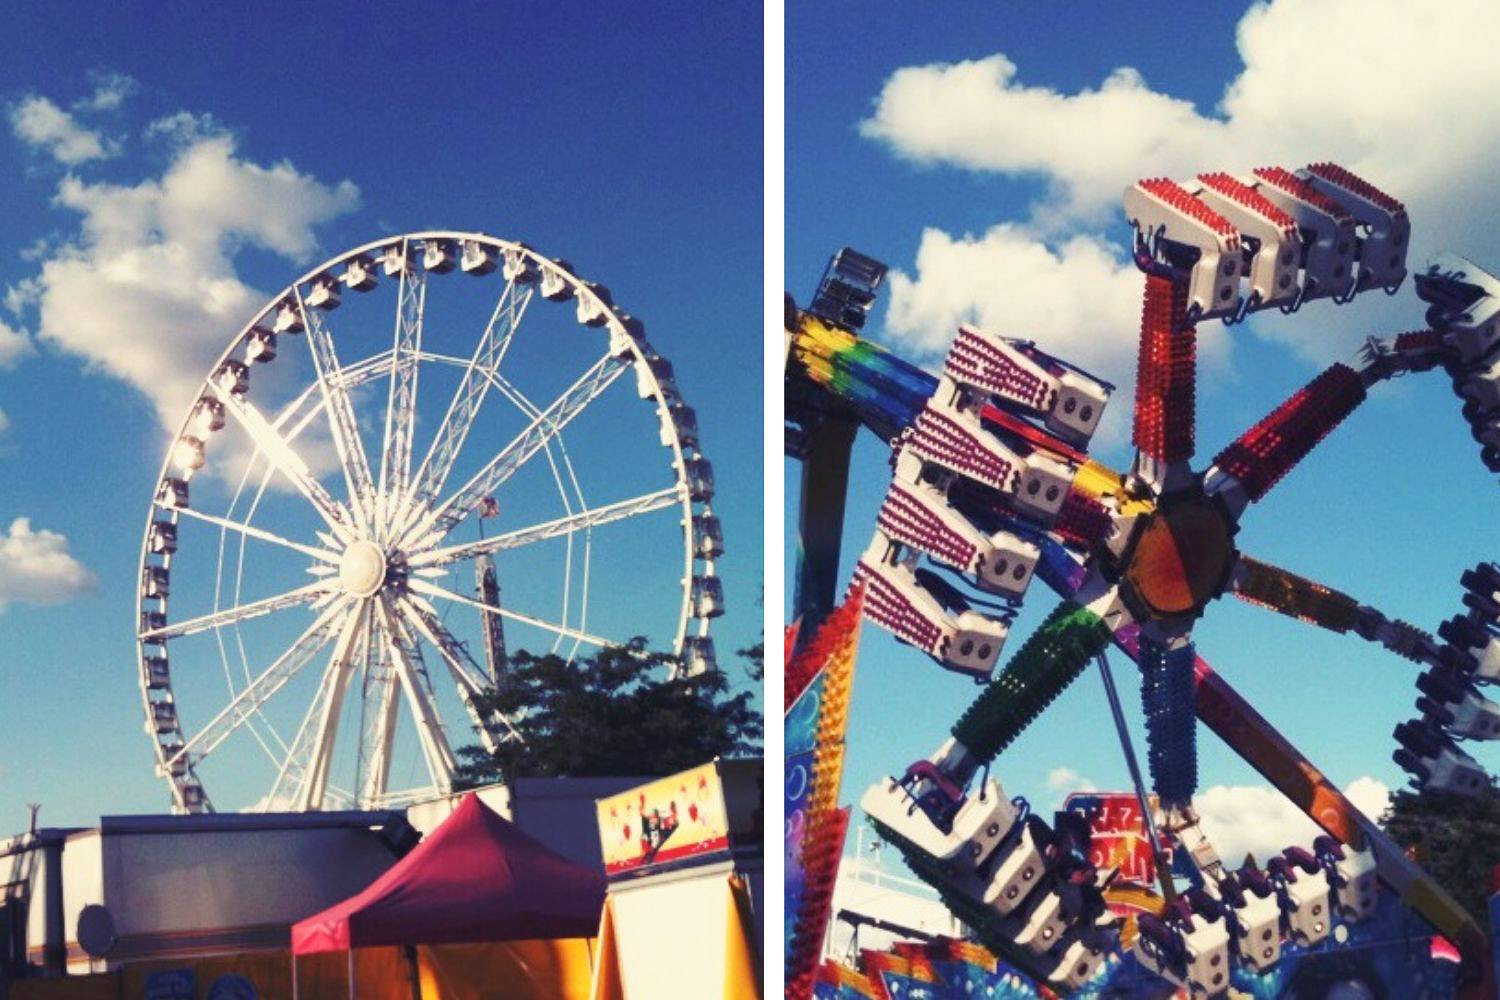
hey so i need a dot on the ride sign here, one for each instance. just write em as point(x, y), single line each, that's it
point(1119, 838)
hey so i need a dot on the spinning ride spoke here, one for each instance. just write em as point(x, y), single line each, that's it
point(1258, 459)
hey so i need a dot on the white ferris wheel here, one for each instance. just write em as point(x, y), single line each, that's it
point(353, 526)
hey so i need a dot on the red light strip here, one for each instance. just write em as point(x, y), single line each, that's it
point(1270, 449)
point(1165, 395)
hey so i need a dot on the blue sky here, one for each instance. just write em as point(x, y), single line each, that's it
point(631, 145)
point(981, 154)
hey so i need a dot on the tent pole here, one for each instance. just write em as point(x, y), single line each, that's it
point(295, 994)
point(351, 973)
point(416, 971)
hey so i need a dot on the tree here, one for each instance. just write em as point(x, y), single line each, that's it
point(1454, 838)
point(755, 660)
point(755, 656)
point(611, 713)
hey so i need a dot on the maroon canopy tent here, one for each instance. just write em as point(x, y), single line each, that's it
point(475, 878)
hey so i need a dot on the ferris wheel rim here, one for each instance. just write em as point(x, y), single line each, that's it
point(636, 354)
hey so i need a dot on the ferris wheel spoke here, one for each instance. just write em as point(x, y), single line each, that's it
point(546, 425)
point(1284, 592)
point(492, 729)
point(464, 406)
point(401, 404)
point(295, 784)
point(259, 691)
point(378, 725)
point(430, 589)
point(253, 532)
point(583, 520)
point(352, 377)
point(279, 452)
point(416, 686)
point(305, 594)
point(340, 410)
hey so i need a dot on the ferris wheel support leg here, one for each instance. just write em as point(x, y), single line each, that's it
point(411, 673)
point(340, 669)
point(820, 520)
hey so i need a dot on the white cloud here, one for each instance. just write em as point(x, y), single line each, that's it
point(14, 345)
point(977, 115)
point(185, 127)
point(1380, 87)
point(1259, 820)
point(4, 422)
point(147, 289)
point(24, 292)
point(1064, 780)
point(1369, 795)
point(40, 123)
point(110, 91)
point(36, 567)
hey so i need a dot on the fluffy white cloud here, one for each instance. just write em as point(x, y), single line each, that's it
point(1369, 795)
point(1378, 86)
point(1259, 820)
point(147, 289)
point(40, 123)
point(978, 115)
point(14, 345)
point(36, 567)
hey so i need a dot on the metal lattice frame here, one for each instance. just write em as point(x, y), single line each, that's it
point(399, 515)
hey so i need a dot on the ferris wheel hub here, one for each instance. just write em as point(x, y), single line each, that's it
point(362, 568)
